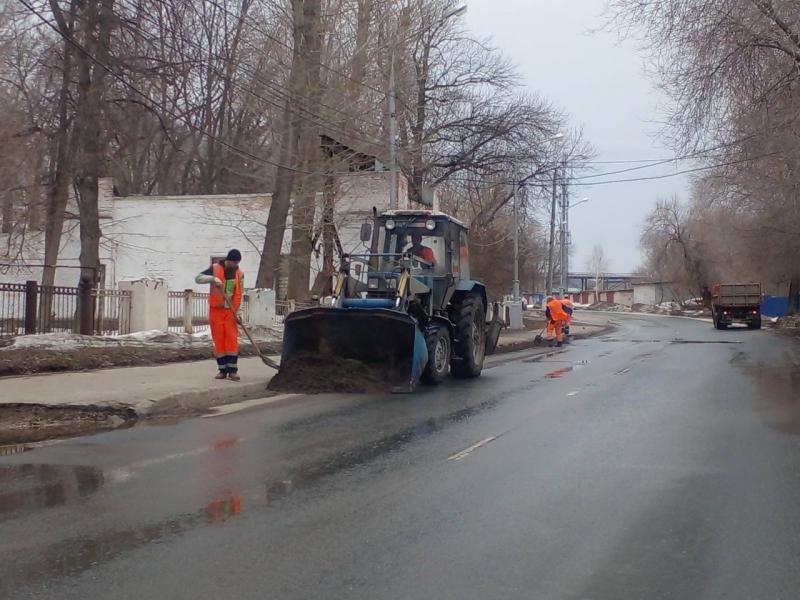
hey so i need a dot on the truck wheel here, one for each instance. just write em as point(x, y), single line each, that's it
point(755, 323)
point(439, 351)
point(470, 346)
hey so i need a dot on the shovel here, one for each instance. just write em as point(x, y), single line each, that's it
point(267, 361)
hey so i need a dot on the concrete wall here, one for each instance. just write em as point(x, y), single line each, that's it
point(174, 237)
point(623, 297)
point(653, 293)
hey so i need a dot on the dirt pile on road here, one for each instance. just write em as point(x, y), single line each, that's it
point(315, 374)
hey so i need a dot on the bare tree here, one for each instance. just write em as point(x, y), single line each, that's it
point(597, 264)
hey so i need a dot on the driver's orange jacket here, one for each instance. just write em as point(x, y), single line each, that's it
point(425, 254)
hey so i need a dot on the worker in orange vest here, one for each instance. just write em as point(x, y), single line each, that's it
point(568, 308)
point(556, 317)
point(226, 283)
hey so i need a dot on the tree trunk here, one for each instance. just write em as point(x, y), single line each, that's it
point(305, 202)
point(8, 213)
point(97, 19)
point(269, 265)
point(302, 233)
point(328, 232)
point(58, 194)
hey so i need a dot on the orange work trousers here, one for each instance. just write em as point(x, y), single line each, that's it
point(555, 330)
point(225, 333)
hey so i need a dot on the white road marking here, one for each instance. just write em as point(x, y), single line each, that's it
point(572, 394)
point(466, 451)
point(227, 409)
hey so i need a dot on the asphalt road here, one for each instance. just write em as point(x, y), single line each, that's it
point(658, 461)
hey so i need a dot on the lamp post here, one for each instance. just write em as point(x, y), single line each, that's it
point(564, 234)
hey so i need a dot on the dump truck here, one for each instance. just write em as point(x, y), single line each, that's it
point(405, 310)
point(736, 303)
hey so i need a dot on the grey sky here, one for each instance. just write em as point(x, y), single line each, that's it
point(601, 84)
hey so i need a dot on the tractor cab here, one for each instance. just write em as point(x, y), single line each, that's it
point(425, 248)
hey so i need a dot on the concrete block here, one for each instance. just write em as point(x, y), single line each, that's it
point(148, 304)
point(513, 312)
point(262, 307)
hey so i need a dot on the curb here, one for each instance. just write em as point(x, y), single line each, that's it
point(199, 401)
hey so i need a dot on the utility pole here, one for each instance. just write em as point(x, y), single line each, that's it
point(515, 284)
point(564, 278)
point(552, 233)
point(392, 137)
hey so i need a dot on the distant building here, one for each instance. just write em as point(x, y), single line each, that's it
point(656, 292)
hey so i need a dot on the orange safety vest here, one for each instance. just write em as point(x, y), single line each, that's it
point(567, 303)
point(556, 310)
point(216, 299)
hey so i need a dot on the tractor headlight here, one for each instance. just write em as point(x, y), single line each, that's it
point(390, 224)
point(373, 283)
point(391, 283)
point(430, 224)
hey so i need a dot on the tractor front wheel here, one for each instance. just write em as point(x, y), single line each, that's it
point(470, 346)
point(439, 351)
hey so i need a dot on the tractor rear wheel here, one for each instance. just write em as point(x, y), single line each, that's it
point(439, 351)
point(470, 346)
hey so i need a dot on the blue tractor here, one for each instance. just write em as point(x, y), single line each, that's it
point(406, 308)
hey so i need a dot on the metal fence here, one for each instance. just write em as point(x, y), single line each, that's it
point(57, 309)
point(29, 308)
point(110, 317)
point(188, 311)
point(12, 309)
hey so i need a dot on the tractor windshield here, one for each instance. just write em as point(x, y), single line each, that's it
point(425, 247)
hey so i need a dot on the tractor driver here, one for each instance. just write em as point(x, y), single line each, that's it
point(420, 251)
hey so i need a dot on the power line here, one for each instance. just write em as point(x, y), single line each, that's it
point(688, 156)
point(548, 184)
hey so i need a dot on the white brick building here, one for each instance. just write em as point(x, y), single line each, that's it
point(174, 237)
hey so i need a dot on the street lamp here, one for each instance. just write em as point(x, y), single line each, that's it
point(582, 201)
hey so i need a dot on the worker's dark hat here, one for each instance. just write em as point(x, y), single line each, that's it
point(234, 254)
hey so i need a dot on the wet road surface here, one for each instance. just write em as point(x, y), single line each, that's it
point(661, 460)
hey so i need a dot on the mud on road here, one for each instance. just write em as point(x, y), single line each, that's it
point(25, 423)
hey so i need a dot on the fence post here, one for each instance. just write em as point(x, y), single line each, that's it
point(188, 310)
point(31, 297)
point(291, 306)
point(85, 308)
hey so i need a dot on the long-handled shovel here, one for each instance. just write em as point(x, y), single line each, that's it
point(267, 361)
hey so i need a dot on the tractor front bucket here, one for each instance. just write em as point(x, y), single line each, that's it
point(350, 350)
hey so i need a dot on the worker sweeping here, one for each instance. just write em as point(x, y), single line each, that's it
point(556, 317)
point(568, 308)
point(224, 300)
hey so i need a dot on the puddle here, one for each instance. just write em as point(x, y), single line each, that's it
point(30, 487)
point(779, 396)
point(676, 341)
point(559, 373)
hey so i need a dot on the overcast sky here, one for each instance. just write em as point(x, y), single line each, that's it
point(602, 85)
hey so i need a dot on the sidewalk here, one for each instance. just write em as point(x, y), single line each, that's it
point(168, 388)
point(177, 388)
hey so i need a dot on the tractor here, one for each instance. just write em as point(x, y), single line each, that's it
point(405, 308)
